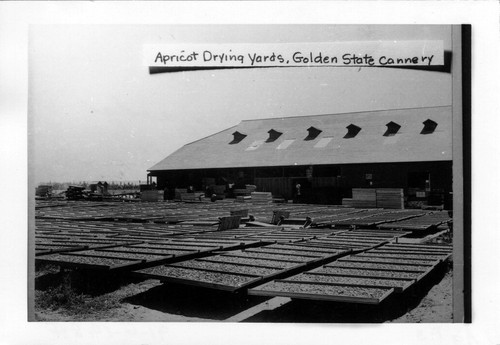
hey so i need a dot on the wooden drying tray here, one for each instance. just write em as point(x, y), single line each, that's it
point(262, 291)
point(148, 272)
point(397, 289)
point(86, 262)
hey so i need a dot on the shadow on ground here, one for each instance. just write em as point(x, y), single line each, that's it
point(88, 282)
point(194, 301)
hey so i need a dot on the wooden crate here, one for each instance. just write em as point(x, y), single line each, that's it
point(368, 194)
point(262, 197)
point(390, 198)
point(363, 198)
point(358, 203)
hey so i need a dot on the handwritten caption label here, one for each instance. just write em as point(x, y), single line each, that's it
point(354, 54)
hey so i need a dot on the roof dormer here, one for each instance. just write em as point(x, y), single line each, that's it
point(273, 135)
point(237, 137)
point(313, 133)
point(352, 131)
point(429, 126)
point(392, 129)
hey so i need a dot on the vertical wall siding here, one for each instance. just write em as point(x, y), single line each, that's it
point(278, 186)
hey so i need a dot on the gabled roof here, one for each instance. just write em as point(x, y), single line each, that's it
point(332, 145)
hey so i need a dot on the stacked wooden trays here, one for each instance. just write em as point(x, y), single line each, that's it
point(390, 198)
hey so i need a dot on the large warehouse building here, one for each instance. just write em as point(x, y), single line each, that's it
point(327, 155)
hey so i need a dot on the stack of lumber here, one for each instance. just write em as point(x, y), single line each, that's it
point(361, 198)
point(390, 198)
point(262, 197)
point(243, 198)
point(43, 190)
point(241, 192)
point(379, 197)
point(247, 191)
point(250, 187)
point(75, 192)
point(347, 202)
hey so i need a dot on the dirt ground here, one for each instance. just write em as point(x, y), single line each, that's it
point(436, 306)
point(150, 300)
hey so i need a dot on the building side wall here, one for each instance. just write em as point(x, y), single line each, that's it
point(327, 184)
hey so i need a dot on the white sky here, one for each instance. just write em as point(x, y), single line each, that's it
point(96, 113)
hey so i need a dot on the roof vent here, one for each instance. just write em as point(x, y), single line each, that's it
point(237, 137)
point(273, 135)
point(392, 128)
point(429, 126)
point(313, 133)
point(352, 131)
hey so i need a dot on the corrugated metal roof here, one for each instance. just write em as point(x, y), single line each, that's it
point(331, 146)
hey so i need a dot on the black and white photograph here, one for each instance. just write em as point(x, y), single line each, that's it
point(228, 175)
point(303, 193)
